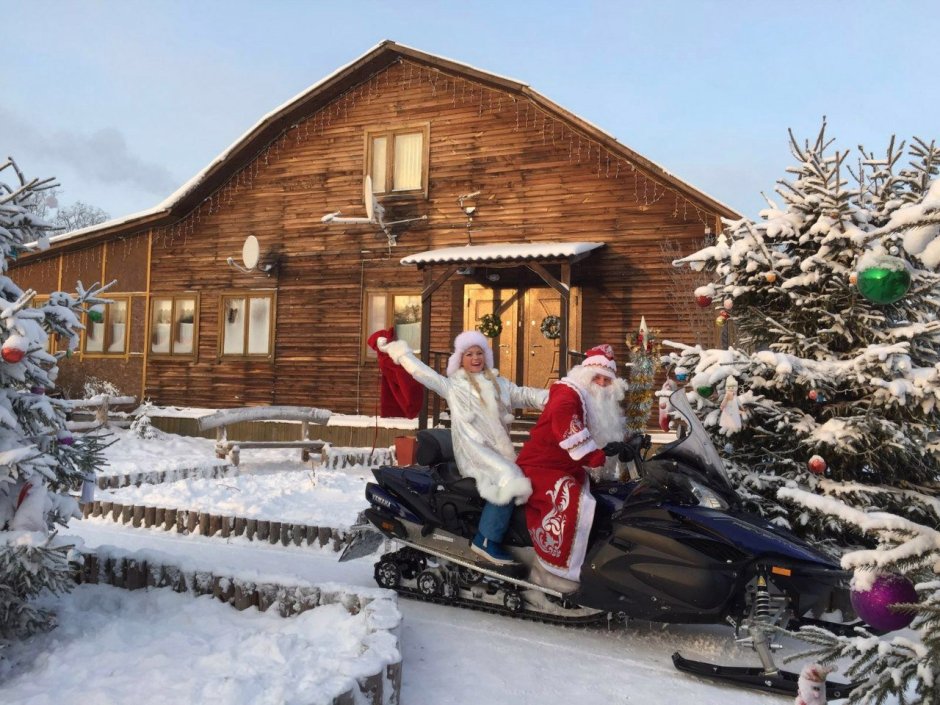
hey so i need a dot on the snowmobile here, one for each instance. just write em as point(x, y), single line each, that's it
point(673, 544)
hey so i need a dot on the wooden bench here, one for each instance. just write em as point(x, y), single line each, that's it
point(223, 418)
point(102, 406)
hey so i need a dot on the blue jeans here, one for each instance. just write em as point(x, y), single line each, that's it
point(494, 521)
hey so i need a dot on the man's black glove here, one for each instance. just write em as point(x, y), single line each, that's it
point(614, 448)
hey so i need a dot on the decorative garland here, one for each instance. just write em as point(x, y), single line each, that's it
point(551, 327)
point(490, 325)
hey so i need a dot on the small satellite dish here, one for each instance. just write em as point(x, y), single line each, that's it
point(251, 252)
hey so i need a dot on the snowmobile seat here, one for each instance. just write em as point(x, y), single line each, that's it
point(436, 451)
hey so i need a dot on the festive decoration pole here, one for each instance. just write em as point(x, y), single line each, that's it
point(644, 364)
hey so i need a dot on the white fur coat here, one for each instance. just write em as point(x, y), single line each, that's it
point(479, 425)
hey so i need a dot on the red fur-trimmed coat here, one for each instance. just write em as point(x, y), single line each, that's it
point(558, 514)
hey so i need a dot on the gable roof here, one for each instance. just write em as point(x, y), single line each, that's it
point(241, 153)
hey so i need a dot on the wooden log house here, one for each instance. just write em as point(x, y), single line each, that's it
point(457, 158)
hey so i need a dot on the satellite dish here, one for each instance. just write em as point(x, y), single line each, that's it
point(251, 252)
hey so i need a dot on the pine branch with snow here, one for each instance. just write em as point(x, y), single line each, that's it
point(901, 666)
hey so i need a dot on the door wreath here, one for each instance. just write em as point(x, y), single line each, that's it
point(490, 325)
point(551, 327)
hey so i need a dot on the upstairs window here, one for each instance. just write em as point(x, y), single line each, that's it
point(397, 160)
point(106, 327)
point(173, 325)
point(247, 325)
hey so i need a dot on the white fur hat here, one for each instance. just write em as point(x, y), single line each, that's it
point(466, 340)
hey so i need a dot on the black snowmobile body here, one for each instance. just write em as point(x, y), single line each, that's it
point(672, 546)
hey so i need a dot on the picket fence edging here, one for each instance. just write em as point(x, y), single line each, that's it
point(186, 521)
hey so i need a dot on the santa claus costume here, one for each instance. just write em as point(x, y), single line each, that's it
point(480, 406)
point(579, 419)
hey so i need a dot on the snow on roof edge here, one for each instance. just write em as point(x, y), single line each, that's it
point(510, 250)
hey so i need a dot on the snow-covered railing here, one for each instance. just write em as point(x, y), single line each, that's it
point(378, 658)
point(231, 449)
point(102, 405)
point(186, 521)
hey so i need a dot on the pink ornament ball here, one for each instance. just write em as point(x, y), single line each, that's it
point(874, 606)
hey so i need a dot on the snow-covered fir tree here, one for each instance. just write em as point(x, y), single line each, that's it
point(836, 361)
point(896, 667)
point(40, 461)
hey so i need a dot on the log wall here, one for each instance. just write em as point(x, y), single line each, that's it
point(539, 180)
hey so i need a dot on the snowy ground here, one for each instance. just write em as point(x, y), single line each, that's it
point(450, 655)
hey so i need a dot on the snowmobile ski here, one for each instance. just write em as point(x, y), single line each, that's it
point(781, 682)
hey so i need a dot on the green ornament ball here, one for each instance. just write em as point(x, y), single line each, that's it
point(95, 316)
point(884, 285)
point(704, 391)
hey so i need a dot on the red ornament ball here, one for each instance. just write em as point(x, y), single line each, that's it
point(813, 395)
point(11, 353)
point(874, 605)
point(703, 301)
point(817, 465)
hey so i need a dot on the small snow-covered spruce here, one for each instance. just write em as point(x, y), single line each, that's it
point(904, 667)
point(38, 467)
point(141, 426)
point(822, 370)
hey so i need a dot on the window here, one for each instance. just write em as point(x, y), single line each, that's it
point(173, 325)
point(247, 325)
point(397, 160)
point(388, 309)
point(106, 327)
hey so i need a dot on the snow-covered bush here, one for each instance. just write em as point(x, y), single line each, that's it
point(95, 386)
point(141, 426)
point(40, 461)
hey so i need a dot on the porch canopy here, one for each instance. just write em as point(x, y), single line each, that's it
point(535, 256)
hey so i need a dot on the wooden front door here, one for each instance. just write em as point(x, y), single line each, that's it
point(481, 300)
point(542, 355)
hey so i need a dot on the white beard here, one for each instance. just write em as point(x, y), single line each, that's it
point(605, 419)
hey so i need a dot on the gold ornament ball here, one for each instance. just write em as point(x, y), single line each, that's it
point(853, 278)
point(771, 277)
point(720, 321)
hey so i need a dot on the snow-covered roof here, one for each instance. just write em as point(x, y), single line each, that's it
point(506, 252)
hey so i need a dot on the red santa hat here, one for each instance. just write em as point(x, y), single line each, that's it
point(600, 359)
point(462, 343)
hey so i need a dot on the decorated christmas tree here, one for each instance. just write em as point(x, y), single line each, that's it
point(40, 461)
point(833, 380)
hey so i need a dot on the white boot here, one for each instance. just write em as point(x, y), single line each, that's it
point(541, 576)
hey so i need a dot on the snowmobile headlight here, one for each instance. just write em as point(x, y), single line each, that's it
point(706, 496)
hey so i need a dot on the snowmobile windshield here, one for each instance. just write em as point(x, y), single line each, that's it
point(696, 447)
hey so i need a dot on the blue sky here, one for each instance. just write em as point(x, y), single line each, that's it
point(125, 100)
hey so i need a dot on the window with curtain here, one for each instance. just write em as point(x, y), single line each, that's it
point(398, 160)
point(106, 327)
point(247, 325)
point(173, 325)
point(400, 310)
